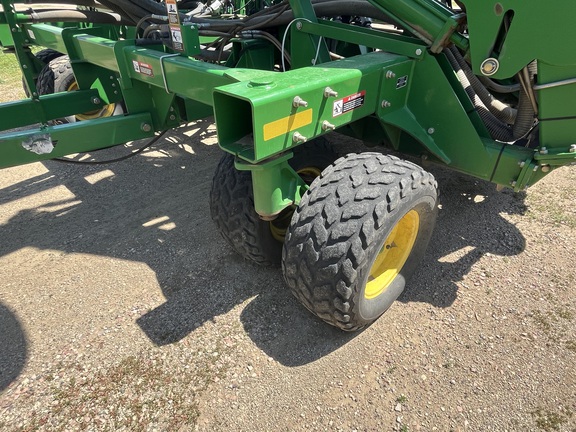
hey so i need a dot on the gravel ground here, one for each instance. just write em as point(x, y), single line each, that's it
point(121, 308)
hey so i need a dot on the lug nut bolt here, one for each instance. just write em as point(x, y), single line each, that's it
point(299, 102)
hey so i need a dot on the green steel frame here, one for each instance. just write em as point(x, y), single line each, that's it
point(401, 92)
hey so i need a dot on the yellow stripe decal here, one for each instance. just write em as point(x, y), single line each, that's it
point(287, 124)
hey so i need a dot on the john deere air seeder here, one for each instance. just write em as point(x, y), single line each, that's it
point(486, 88)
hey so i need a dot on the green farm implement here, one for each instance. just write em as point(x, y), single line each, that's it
point(481, 87)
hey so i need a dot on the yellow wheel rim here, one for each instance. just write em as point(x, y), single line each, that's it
point(105, 111)
point(393, 255)
point(279, 226)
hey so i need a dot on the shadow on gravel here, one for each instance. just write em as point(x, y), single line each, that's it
point(13, 347)
point(470, 224)
point(154, 209)
point(281, 327)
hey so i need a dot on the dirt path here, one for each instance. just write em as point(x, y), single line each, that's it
point(121, 308)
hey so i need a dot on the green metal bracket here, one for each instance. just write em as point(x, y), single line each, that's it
point(306, 49)
point(31, 111)
point(32, 145)
point(395, 44)
point(262, 117)
point(276, 185)
point(426, 19)
point(524, 40)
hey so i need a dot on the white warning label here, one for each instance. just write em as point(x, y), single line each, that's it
point(349, 103)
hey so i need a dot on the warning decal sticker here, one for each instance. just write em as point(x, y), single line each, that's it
point(143, 68)
point(349, 103)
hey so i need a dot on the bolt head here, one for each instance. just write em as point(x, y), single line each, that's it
point(146, 127)
point(299, 25)
point(386, 104)
point(489, 66)
point(299, 102)
point(328, 92)
point(390, 74)
point(573, 148)
point(299, 138)
point(418, 51)
point(96, 100)
point(327, 126)
point(431, 130)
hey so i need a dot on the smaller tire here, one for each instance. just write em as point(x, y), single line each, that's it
point(57, 77)
point(358, 234)
point(232, 204)
point(45, 56)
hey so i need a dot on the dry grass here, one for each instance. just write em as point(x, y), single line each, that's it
point(10, 78)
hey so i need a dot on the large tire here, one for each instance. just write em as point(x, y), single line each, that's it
point(358, 234)
point(45, 56)
point(232, 204)
point(58, 76)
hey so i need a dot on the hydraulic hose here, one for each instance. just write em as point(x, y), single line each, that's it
point(498, 88)
point(502, 111)
point(498, 130)
point(525, 118)
point(75, 16)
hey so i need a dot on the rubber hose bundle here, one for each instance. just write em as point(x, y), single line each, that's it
point(525, 119)
point(502, 111)
point(497, 129)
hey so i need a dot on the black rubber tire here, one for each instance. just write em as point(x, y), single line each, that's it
point(58, 76)
point(232, 204)
point(45, 56)
point(340, 227)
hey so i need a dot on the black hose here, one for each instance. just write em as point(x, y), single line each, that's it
point(498, 130)
point(499, 88)
point(502, 111)
point(525, 118)
point(75, 16)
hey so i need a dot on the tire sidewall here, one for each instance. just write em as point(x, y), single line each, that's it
point(424, 202)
